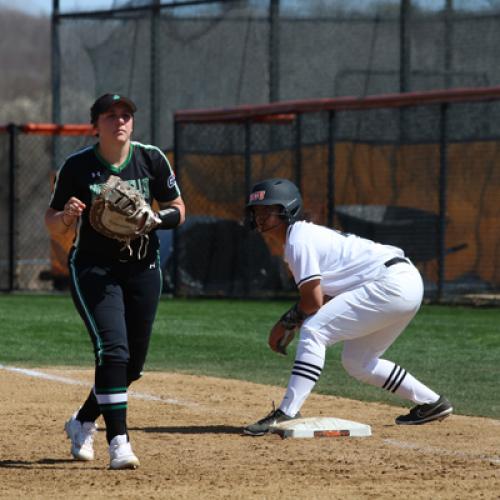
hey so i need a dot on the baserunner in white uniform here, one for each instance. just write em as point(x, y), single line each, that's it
point(352, 290)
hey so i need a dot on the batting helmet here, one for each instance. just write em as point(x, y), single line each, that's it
point(280, 192)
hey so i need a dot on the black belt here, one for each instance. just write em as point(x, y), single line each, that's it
point(395, 260)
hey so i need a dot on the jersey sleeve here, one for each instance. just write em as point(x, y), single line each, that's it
point(303, 262)
point(164, 186)
point(63, 188)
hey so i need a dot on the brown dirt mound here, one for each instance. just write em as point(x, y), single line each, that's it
point(186, 431)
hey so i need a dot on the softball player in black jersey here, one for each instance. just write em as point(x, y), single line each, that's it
point(115, 289)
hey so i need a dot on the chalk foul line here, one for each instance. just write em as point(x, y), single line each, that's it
point(66, 380)
point(431, 450)
point(495, 459)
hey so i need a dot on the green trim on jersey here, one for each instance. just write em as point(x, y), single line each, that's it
point(108, 165)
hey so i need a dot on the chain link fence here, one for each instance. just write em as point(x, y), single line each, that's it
point(418, 171)
point(6, 224)
point(186, 55)
point(29, 259)
point(212, 54)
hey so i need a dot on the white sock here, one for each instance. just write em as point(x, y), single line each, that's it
point(396, 379)
point(305, 373)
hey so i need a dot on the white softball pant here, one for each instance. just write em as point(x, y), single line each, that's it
point(368, 320)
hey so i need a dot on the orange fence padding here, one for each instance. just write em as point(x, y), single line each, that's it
point(54, 129)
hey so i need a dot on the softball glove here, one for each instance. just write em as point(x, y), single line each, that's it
point(121, 212)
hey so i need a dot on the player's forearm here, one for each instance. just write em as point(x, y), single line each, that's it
point(310, 304)
point(58, 222)
point(311, 297)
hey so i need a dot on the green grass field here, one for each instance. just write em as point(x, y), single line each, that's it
point(455, 350)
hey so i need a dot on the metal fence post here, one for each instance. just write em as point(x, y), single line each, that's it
point(298, 150)
point(248, 185)
point(248, 157)
point(175, 237)
point(443, 172)
point(448, 43)
point(55, 79)
point(404, 63)
point(153, 61)
point(12, 129)
point(331, 168)
point(274, 50)
point(404, 46)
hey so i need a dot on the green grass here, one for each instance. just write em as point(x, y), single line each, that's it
point(455, 350)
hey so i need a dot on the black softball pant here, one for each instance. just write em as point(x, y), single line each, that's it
point(117, 302)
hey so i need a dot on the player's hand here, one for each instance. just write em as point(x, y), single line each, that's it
point(72, 210)
point(279, 338)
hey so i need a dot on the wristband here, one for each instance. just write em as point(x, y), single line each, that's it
point(170, 218)
point(293, 318)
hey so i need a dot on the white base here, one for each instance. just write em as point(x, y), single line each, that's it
point(321, 427)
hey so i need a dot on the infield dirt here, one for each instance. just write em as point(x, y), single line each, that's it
point(186, 431)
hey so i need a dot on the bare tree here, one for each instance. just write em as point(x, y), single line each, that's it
point(25, 63)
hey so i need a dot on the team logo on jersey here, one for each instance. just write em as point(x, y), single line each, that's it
point(142, 185)
point(257, 196)
point(171, 181)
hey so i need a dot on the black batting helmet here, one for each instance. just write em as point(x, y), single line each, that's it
point(280, 192)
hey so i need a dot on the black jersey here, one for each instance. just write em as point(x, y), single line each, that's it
point(82, 176)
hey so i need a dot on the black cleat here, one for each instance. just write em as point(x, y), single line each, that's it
point(422, 414)
point(262, 426)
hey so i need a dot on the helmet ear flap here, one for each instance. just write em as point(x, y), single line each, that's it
point(285, 214)
point(296, 213)
point(250, 219)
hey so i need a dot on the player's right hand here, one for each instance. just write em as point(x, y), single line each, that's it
point(74, 208)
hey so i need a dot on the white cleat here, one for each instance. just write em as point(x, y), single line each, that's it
point(121, 455)
point(82, 438)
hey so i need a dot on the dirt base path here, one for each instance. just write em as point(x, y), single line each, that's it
point(186, 430)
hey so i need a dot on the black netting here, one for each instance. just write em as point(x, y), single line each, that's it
point(34, 166)
point(234, 261)
point(39, 263)
point(109, 55)
point(221, 54)
point(414, 177)
point(378, 168)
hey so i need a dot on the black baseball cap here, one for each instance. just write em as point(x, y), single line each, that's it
point(103, 103)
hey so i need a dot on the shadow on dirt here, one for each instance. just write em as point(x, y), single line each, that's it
point(42, 463)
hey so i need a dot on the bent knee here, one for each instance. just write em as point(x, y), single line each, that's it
point(311, 342)
point(357, 368)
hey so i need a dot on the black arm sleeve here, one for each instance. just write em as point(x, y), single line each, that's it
point(170, 218)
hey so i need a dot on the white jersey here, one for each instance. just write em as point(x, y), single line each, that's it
point(341, 261)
